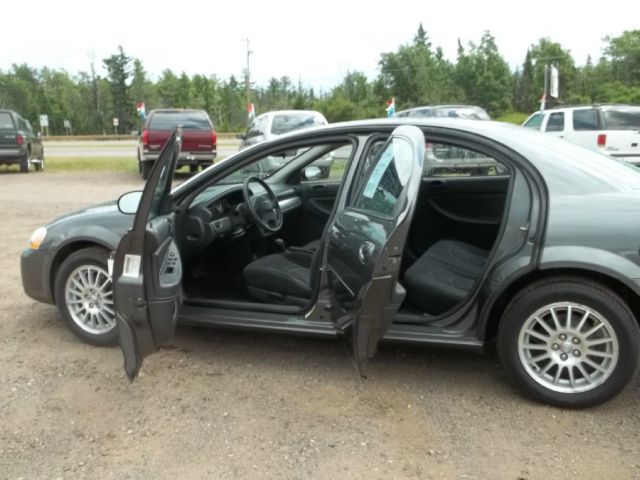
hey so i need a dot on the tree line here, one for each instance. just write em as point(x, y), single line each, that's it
point(417, 73)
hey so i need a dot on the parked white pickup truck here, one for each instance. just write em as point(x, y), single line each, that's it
point(610, 129)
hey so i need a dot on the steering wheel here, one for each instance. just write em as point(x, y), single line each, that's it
point(264, 208)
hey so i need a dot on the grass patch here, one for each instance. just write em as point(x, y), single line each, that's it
point(513, 117)
point(96, 164)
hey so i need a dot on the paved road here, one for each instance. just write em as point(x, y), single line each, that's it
point(112, 148)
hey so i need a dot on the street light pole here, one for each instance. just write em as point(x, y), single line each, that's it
point(247, 77)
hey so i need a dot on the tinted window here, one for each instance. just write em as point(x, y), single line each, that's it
point(188, 120)
point(289, 122)
point(586, 119)
point(471, 113)
point(622, 119)
point(444, 160)
point(555, 122)
point(387, 179)
point(534, 121)
point(6, 121)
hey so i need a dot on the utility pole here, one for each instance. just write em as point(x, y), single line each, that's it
point(247, 76)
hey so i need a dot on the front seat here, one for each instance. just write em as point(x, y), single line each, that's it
point(283, 278)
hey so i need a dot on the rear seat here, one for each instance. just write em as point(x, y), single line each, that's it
point(443, 275)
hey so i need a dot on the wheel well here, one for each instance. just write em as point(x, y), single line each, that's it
point(63, 254)
point(626, 294)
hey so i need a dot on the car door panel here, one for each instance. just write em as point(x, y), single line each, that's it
point(148, 269)
point(318, 199)
point(467, 209)
point(366, 241)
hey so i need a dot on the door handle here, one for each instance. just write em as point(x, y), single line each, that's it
point(366, 251)
point(318, 188)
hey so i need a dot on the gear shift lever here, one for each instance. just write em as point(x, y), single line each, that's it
point(281, 245)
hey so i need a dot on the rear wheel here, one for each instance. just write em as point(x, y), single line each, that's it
point(569, 342)
point(145, 168)
point(193, 168)
point(25, 162)
point(84, 296)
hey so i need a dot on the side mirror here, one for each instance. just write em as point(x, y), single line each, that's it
point(312, 173)
point(128, 203)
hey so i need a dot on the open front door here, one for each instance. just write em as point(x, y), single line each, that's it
point(367, 238)
point(147, 269)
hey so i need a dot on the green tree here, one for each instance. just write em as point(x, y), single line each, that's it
point(119, 71)
point(484, 76)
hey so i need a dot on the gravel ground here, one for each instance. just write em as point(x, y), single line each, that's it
point(221, 404)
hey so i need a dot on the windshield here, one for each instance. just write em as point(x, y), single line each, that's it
point(288, 122)
point(265, 167)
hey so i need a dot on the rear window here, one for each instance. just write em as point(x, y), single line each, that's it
point(289, 122)
point(188, 120)
point(622, 119)
point(586, 119)
point(470, 113)
point(6, 121)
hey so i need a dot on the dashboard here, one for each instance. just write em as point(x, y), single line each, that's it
point(217, 213)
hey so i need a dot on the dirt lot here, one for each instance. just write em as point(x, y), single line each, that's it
point(220, 404)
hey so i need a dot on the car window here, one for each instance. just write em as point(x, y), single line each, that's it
point(555, 122)
point(444, 160)
point(22, 124)
point(168, 121)
point(386, 179)
point(534, 121)
point(622, 119)
point(332, 165)
point(586, 119)
point(288, 122)
point(6, 121)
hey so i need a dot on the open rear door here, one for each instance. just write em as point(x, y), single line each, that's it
point(147, 268)
point(367, 238)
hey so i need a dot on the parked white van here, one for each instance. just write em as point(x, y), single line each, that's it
point(610, 129)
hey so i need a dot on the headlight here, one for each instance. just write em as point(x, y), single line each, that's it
point(37, 237)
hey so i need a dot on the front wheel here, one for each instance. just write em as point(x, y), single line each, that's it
point(84, 296)
point(569, 342)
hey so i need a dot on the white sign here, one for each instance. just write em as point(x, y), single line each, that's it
point(554, 85)
point(115, 121)
point(131, 266)
point(44, 121)
point(67, 124)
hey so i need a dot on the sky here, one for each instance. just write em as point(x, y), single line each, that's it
point(314, 42)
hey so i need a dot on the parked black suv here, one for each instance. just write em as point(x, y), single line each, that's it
point(18, 142)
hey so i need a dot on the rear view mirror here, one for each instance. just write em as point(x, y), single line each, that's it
point(128, 203)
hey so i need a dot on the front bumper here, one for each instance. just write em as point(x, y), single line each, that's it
point(185, 158)
point(35, 268)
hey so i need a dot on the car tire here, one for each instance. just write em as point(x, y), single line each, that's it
point(39, 166)
point(193, 168)
point(25, 162)
point(84, 296)
point(569, 342)
point(145, 169)
point(205, 165)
